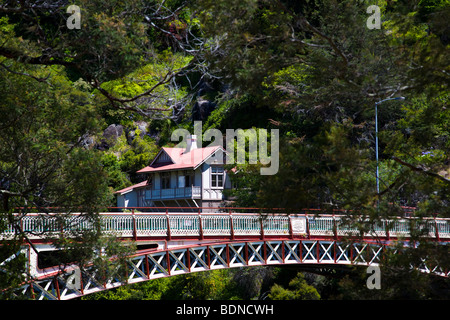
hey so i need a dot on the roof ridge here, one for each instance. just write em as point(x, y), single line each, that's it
point(180, 160)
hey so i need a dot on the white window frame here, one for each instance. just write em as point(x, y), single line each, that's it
point(216, 172)
point(182, 177)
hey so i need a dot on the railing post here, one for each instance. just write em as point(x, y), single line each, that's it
point(133, 219)
point(388, 236)
point(58, 294)
point(147, 267)
point(200, 225)
point(61, 228)
point(308, 231)
point(318, 250)
point(436, 230)
point(335, 231)
point(208, 258)
point(265, 252)
point(168, 261)
point(262, 228)
point(246, 252)
point(334, 251)
point(21, 223)
point(231, 225)
point(168, 225)
point(300, 250)
point(188, 257)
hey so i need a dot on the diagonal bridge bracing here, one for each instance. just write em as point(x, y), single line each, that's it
point(199, 242)
point(148, 265)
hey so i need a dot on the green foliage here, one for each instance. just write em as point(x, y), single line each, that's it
point(256, 33)
point(325, 94)
point(117, 179)
point(196, 286)
point(41, 136)
point(11, 279)
point(298, 290)
point(200, 286)
point(150, 290)
point(311, 69)
point(240, 111)
point(142, 151)
point(124, 158)
point(43, 162)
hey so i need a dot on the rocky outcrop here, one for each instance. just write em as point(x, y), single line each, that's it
point(202, 109)
point(110, 136)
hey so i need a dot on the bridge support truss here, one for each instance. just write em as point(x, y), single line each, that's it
point(187, 242)
point(147, 265)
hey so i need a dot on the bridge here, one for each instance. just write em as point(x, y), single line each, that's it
point(171, 243)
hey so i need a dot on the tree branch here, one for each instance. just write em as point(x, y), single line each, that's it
point(26, 74)
point(41, 60)
point(418, 169)
point(330, 41)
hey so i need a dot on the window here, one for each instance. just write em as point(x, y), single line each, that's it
point(165, 180)
point(150, 182)
point(185, 179)
point(216, 177)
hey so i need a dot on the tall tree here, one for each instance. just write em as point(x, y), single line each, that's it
point(52, 79)
point(323, 70)
point(111, 41)
point(44, 165)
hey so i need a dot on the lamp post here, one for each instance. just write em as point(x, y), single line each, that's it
point(376, 136)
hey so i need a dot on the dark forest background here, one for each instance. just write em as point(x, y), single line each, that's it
point(81, 110)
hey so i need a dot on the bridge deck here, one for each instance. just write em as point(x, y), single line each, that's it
point(181, 225)
point(191, 242)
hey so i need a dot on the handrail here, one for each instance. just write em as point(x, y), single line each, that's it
point(225, 224)
point(227, 209)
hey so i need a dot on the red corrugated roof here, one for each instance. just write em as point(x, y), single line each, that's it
point(180, 159)
point(140, 184)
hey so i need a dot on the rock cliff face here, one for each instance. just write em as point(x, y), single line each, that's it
point(110, 136)
point(200, 112)
point(114, 131)
point(202, 109)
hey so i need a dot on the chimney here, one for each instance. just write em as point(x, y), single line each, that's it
point(191, 143)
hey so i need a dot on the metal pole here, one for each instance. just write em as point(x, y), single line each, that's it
point(376, 146)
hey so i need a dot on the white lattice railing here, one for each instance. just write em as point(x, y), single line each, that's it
point(215, 225)
point(443, 227)
point(182, 225)
point(155, 225)
point(247, 225)
point(322, 226)
point(221, 224)
point(173, 193)
point(118, 225)
point(276, 225)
